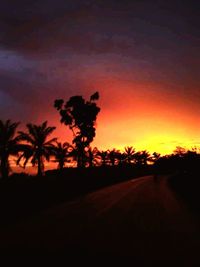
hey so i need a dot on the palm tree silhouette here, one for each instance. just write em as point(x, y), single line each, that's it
point(142, 157)
point(113, 155)
point(104, 157)
point(62, 152)
point(155, 157)
point(129, 152)
point(37, 148)
point(9, 145)
point(121, 158)
point(93, 156)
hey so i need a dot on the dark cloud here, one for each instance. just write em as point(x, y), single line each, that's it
point(45, 44)
point(139, 53)
point(22, 19)
point(22, 100)
point(18, 89)
point(92, 26)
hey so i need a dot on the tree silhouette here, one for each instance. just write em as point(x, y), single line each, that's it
point(121, 158)
point(180, 151)
point(129, 152)
point(9, 145)
point(92, 156)
point(155, 157)
point(37, 148)
point(104, 157)
point(80, 115)
point(62, 152)
point(141, 157)
point(113, 156)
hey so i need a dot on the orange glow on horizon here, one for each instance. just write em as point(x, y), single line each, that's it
point(138, 114)
point(143, 117)
point(142, 58)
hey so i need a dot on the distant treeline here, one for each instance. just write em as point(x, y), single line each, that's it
point(35, 146)
point(23, 194)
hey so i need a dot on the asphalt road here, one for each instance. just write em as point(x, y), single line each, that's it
point(141, 220)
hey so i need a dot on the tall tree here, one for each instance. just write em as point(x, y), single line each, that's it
point(62, 152)
point(37, 147)
point(80, 115)
point(9, 145)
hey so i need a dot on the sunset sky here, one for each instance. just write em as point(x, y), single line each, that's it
point(142, 56)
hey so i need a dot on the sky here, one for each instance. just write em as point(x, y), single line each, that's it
point(142, 56)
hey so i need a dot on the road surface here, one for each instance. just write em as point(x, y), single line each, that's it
point(141, 220)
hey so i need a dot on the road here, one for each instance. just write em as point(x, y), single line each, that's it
point(141, 220)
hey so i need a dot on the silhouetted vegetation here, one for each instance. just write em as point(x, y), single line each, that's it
point(184, 166)
point(9, 145)
point(92, 156)
point(62, 153)
point(37, 148)
point(103, 167)
point(181, 161)
point(80, 115)
point(129, 154)
point(25, 195)
point(104, 157)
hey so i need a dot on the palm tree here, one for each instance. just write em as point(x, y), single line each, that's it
point(9, 145)
point(61, 153)
point(37, 148)
point(93, 156)
point(104, 157)
point(155, 157)
point(142, 157)
point(113, 155)
point(129, 152)
point(121, 158)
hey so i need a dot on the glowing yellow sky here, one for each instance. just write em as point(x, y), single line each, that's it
point(143, 116)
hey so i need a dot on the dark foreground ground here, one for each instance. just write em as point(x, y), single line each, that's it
point(187, 186)
point(141, 221)
point(22, 195)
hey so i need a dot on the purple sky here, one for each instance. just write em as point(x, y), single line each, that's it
point(144, 52)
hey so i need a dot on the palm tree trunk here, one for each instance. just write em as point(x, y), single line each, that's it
point(91, 161)
point(39, 173)
point(90, 164)
point(112, 162)
point(4, 167)
point(79, 161)
point(103, 162)
point(61, 165)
